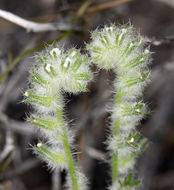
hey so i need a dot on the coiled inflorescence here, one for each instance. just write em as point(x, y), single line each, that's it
point(121, 49)
point(57, 71)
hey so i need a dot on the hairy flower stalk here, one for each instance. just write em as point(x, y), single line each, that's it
point(121, 49)
point(55, 72)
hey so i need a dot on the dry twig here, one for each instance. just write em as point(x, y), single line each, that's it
point(106, 5)
point(34, 26)
point(158, 42)
point(9, 144)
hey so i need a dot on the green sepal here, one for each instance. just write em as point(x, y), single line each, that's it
point(49, 124)
point(83, 76)
point(80, 86)
point(39, 99)
point(76, 53)
point(128, 50)
point(109, 29)
point(60, 117)
point(38, 79)
point(119, 142)
point(140, 42)
point(123, 161)
point(128, 181)
point(137, 61)
point(105, 40)
point(54, 157)
point(65, 69)
point(134, 136)
point(128, 110)
point(86, 62)
point(76, 65)
point(54, 55)
point(117, 37)
point(123, 35)
point(96, 49)
point(143, 144)
point(95, 34)
point(97, 59)
point(51, 73)
point(119, 96)
point(130, 140)
point(134, 141)
point(137, 79)
point(42, 58)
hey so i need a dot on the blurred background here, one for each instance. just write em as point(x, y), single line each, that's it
point(19, 168)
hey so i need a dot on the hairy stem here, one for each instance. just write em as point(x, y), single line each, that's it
point(114, 166)
point(116, 132)
point(68, 154)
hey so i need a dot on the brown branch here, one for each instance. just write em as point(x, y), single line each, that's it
point(106, 5)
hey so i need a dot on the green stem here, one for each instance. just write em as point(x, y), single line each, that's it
point(114, 166)
point(68, 154)
point(115, 132)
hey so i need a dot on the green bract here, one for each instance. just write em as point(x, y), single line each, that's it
point(121, 49)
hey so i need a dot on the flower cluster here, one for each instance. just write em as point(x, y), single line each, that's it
point(121, 49)
point(57, 71)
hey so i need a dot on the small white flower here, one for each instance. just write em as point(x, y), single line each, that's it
point(26, 94)
point(56, 50)
point(39, 145)
point(67, 61)
point(48, 67)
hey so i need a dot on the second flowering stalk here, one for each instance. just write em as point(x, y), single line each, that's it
point(123, 50)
